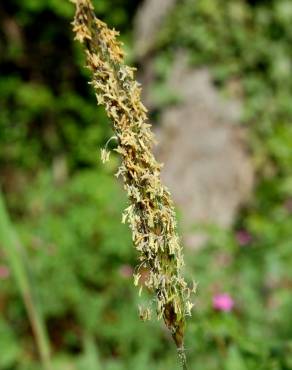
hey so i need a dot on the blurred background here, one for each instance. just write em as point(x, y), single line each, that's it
point(217, 80)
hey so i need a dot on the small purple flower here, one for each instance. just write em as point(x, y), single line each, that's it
point(223, 302)
point(126, 271)
point(243, 237)
point(4, 272)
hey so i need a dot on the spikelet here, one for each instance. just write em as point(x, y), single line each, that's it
point(151, 214)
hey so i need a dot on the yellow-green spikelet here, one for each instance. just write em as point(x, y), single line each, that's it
point(151, 214)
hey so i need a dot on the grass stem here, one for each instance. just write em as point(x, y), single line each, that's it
point(15, 254)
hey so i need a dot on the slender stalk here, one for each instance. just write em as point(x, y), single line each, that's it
point(16, 258)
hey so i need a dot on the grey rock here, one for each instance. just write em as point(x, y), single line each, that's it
point(206, 163)
point(147, 24)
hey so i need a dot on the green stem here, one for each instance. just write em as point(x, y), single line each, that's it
point(182, 358)
point(15, 255)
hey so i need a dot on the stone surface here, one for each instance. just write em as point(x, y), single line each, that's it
point(148, 21)
point(207, 167)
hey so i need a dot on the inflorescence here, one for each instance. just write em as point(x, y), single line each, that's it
point(150, 213)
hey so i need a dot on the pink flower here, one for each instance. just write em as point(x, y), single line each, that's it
point(4, 272)
point(243, 237)
point(223, 302)
point(126, 271)
point(288, 205)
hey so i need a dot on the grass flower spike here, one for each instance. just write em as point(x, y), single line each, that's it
point(150, 213)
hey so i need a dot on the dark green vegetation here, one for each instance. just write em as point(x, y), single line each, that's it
point(67, 207)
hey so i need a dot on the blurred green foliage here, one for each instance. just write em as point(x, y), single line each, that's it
point(67, 207)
